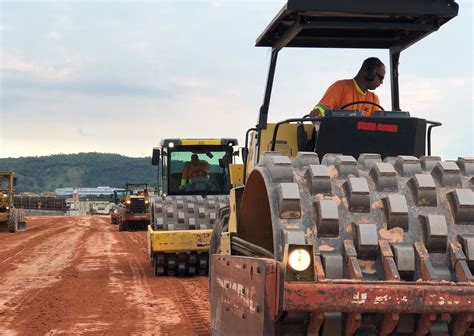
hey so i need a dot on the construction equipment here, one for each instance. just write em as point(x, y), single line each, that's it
point(134, 215)
point(320, 243)
point(119, 199)
point(15, 218)
point(188, 200)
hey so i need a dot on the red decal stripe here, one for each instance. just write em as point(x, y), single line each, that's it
point(366, 126)
point(387, 128)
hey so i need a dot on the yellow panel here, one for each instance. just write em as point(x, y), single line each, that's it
point(287, 143)
point(179, 241)
point(233, 213)
point(251, 155)
point(236, 171)
point(148, 239)
point(190, 142)
point(235, 198)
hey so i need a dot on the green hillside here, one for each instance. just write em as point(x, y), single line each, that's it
point(46, 173)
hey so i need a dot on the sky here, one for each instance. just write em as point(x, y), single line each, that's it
point(118, 76)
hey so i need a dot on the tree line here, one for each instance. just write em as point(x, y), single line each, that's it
point(86, 170)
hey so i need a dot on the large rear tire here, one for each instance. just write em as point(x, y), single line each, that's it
point(13, 220)
point(123, 225)
point(342, 204)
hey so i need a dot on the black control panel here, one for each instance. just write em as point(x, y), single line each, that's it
point(389, 136)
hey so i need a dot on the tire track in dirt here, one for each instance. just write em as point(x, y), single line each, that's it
point(93, 279)
point(16, 247)
point(80, 302)
point(40, 268)
point(158, 310)
point(182, 302)
point(99, 310)
point(194, 303)
point(36, 226)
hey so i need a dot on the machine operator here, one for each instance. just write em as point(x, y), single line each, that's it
point(192, 169)
point(369, 77)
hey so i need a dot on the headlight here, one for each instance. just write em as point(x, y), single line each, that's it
point(7, 207)
point(5, 195)
point(299, 260)
point(115, 211)
point(146, 201)
point(171, 145)
point(128, 201)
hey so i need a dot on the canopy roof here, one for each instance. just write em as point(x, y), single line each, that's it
point(378, 24)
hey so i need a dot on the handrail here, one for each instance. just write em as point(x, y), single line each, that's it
point(432, 125)
point(246, 151)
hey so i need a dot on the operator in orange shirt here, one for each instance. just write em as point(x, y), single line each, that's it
point(369, 77)
point(193, 169)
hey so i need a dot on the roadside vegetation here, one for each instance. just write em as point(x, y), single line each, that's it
point(46, 173)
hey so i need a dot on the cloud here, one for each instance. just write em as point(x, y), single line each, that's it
point(88, 73)
point(83, 133)
point(433, 99)
point(17, 86)
point(40, 71)
point(429, 93)
point(54, 35)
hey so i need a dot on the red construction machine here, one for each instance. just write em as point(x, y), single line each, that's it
point(352, 227)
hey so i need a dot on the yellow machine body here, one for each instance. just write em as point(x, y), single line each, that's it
point(6, 194)
point(135, 212)
point(286, 144)
point(182, 219)
point(178, 241)
point(15, 218)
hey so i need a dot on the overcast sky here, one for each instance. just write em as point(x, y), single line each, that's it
point(117, 77)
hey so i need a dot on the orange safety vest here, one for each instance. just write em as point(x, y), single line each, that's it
point(347, 91)
point(190, 170)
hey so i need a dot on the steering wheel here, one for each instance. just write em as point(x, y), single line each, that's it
point(361, 102)
point(199, 183)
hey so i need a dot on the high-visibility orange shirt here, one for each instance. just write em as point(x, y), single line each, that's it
point(347, 91)
point(191, 170)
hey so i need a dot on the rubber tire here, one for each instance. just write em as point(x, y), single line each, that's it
point(13, 220)
point(154, 264)
point(220, 226)
point(122, 226)
point(361, 194)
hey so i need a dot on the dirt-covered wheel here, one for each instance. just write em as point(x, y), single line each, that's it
point(220, 226)
point(13, 220)
point(411, 214)
point(122, 225)
point(158, 264)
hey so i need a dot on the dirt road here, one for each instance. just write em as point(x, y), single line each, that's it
point(68, 275)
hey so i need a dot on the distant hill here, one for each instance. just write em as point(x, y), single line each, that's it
point(46, 173)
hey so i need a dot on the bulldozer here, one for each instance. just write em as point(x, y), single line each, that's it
point(134, 214)
point(15, 218)
point(347, 225)
point(187, 202)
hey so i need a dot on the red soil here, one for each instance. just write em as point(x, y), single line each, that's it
point(79, 275)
